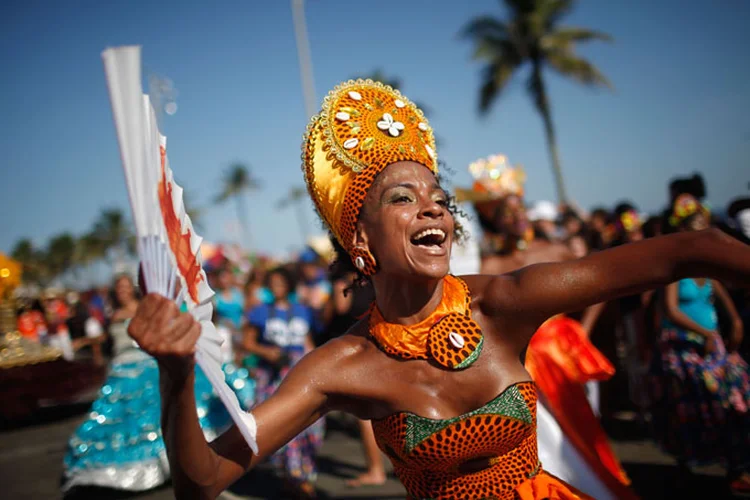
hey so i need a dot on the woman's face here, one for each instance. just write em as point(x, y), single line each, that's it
point(224, 280)
point(511, 218)
point(572, 226)
point(278, 285)
point(598, 223)
point(405, 222)
point(578, 246)
point(124, 290)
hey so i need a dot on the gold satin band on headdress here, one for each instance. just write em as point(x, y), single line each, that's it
point(363, 127)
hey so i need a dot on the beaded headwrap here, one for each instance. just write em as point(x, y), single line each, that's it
point(685, 206)
point(630, 221)
point(363, 127)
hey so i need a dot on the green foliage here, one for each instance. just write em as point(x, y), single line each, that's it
point(531, 37)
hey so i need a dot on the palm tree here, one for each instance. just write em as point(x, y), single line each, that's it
point(296, 197)
point(193, 211)
point(236, 181)
point(113, 233)
point(532, 36)
point(60, 254)
point(31, 259)
point(89, 249)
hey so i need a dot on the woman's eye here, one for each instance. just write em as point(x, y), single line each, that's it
point(442, 202)
point(401, 199)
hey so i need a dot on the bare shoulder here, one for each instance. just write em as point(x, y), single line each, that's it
point(353, 343)
point(338, 362)
point(491, 294)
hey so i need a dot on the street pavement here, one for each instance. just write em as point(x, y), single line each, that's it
point(31, 459)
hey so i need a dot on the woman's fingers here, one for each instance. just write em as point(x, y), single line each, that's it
point(191, 339)
point(161, 330)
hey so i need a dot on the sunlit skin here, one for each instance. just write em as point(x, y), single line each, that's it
point(352, 374)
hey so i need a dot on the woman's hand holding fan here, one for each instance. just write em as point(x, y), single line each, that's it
point(168, 248)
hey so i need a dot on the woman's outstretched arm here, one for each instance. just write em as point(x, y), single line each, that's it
point(541, 291)
point(200, 469)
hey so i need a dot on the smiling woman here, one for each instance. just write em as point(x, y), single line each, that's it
point(436, 363)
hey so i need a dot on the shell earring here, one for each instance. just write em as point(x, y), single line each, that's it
point(359, 262)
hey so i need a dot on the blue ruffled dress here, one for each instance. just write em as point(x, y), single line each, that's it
point(120, 444)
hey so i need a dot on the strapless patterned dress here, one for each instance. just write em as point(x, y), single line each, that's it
point(488, 453)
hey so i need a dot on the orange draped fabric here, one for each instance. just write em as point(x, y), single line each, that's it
point(560, 360)
point(412, 339)
point(545, 486)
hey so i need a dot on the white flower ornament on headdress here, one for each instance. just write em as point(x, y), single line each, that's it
point(388, 123)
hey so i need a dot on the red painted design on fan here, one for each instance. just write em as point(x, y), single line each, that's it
point(187, 263)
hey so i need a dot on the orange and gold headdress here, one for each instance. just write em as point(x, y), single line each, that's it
point(363, 127)
point(494, 178)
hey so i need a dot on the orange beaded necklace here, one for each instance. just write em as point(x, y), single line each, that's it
point(448, 336)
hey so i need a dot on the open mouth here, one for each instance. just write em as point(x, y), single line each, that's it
point(429, 238)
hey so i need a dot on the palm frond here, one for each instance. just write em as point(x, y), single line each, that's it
point(549, 12)
point(577, 68)
point(484, 26)
point(236, 180)
point(494, 80)
point(567, 36)
point(295, 195)
point(498, 51)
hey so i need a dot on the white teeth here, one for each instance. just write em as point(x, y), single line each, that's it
point(426, 232)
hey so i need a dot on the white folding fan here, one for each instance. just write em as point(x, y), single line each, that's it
point(168, 248)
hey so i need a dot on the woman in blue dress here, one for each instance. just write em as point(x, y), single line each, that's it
point(701, 389)
point(120, 445)
point(229, 301)
point(280, 334)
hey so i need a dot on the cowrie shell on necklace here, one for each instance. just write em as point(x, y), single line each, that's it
point(359, 262)
point(456, 339)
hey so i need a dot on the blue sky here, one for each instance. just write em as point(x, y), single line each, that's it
point(681, 101)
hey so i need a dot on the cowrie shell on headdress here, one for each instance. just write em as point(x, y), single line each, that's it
point(423, 126)
point(399, 103)
point(343, 116)
point(430, 151)
point(355, 95)
point(350, 143)
point(456, 339)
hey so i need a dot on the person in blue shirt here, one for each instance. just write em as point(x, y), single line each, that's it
point(279, 334)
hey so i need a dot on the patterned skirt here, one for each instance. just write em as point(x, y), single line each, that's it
point(296, 460)
point(699, 401)
point(120, 443)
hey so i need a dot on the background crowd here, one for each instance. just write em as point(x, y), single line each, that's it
point(272, 312)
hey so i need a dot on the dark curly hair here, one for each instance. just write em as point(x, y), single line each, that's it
point(285, 274)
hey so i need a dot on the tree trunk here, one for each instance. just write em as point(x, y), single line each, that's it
point(242, 217)
point(301, 219)
point(562, 195)
point(539, 93)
